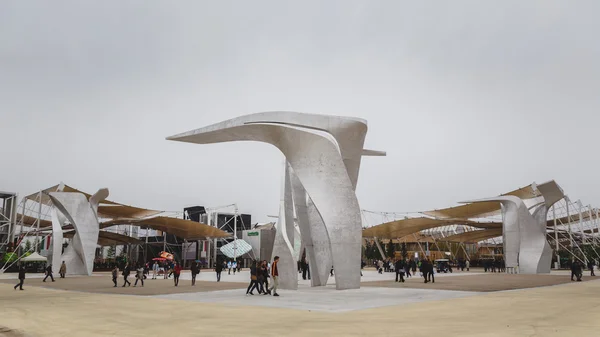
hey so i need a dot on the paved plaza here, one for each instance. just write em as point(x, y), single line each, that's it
point(89, 309)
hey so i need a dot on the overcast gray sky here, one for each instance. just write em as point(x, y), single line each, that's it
point(469, 98)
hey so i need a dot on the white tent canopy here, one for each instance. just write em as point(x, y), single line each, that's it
point(35, 257)
point(242, 247)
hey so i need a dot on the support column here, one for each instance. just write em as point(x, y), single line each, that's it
point(380, 249)
point(37, 232)
point(556, 237)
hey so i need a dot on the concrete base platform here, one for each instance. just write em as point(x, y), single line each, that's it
point(480, 282)
point(325, 299)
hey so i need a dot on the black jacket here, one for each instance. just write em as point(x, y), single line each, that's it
point(22, 274)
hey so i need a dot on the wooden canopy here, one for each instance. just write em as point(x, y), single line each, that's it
point(481, 209)
point(185, 229)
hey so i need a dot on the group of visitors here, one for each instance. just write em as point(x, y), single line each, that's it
point(404, 267)
point(233, 265)
point(142, 270)
point(48, 272)
point(259, 277)
point(304, 268)
point(494, 266)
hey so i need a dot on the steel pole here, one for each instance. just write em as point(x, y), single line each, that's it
point(37, 232)
point(556, 237)
point(235, 234)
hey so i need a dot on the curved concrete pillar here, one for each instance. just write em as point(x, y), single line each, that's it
point(58, 220)
point(524, 234)
point(320, 166)
point(81, 213)
point(283, 245)
point(514, 213)
point(306, 216)
point(552, 193)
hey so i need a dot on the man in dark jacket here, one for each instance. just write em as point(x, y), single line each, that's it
point(591, 265)
point(399, 270)
point(430, 276)
point(49, 273)
point(576, 271)
point(219, 269)
point(21, 278)
point(126, 272)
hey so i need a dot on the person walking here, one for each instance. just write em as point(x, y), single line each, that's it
point(166, 270)
point(218, 270)
point(63, 270)
point(154, 270)
point(399, 267)
point(21, 278)
point(467, 264)
point(253, 278)
point(591, 267)
point(275, 275)
point(407, 268)
point(229, 264)
point(126, 272)
point(303, 267)
point(115, 275)
point(234, 266)
point(195, 269)
point(430, 275)
point(265, 275)
point(139, 276)
point(49, 273)
point(176, 273)
point(380, 266)
point(260, 277)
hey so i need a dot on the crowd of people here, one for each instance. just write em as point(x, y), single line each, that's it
point(260, 272)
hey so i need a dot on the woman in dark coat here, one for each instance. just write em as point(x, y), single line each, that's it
point(253, 278)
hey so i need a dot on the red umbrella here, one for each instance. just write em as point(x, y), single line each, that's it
point(159, 259)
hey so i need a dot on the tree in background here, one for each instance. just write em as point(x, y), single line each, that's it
point(111, 252)
point(27, 246)
point(390, 250)
point(404, 251)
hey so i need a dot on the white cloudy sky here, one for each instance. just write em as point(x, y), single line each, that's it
point(469, 98)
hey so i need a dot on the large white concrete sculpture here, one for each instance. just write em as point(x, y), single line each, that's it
point(83, 216)
point(535, 249)
point(327, 168)
point(283, 245)
point(524, 233)
point(58, 220)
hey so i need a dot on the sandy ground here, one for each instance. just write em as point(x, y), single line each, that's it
point(480, 282)
point(566, 310)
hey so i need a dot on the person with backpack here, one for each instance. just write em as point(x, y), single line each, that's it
point(253, 278)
